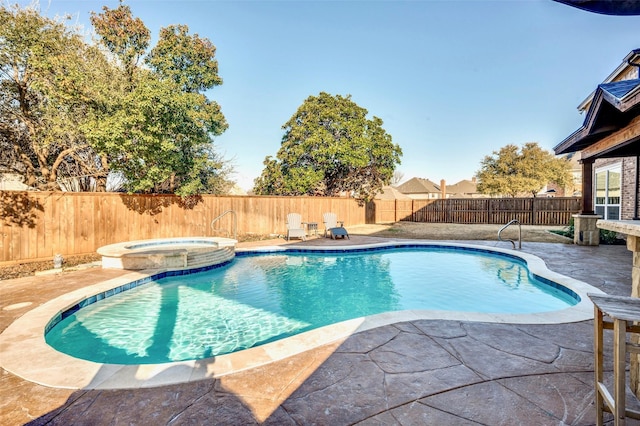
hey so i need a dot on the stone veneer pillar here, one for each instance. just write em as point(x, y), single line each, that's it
point(585, 231)
point(631, 228)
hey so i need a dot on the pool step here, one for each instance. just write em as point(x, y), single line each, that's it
point(208, 257)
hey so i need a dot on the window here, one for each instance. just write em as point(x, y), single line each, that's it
point(607, 192)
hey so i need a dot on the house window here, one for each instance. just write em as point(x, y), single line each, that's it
point(608, 191)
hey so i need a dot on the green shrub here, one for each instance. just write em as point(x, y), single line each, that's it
point(567, 231)
point(570, 229)
point(610, 237)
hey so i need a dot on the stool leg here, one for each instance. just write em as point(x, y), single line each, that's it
point(619, 367)
point(598, 348)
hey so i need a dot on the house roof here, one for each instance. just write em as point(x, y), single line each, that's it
point(614, 105)
point(618, 90)
point(418, 186)
point(628, 66)
point(390, 193)
point(463, 187)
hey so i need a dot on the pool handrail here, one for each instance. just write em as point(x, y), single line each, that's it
point(519, 233)
point(235, 222)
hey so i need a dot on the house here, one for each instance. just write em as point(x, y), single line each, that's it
point(420, 189)
point(609, 146)
point(424, 189)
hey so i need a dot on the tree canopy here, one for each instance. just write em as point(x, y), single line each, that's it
point(74, 111)
point(330, 147)
point(522, 171)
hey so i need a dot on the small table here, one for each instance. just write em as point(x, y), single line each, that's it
point(623, 311)
point(312, 227)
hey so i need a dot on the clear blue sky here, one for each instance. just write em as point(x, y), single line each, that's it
point(453, 81)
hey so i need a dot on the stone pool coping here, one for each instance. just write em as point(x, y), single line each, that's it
point(26, 354)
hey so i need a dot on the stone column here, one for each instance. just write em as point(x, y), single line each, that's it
point(585, 231)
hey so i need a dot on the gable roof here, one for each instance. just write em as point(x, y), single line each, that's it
point(618, 90)
point(418, 186)
point(625, 71)
point(614, 105)
point(463, 187)
point(390, 193)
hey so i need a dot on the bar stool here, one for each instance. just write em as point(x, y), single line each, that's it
point(622, 311)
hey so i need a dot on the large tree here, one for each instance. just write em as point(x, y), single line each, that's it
point(186, 59)
point(159, 132)
point(522, 171)
point(330, 147)
point(49, 80)
point(125, 36)
point(71, 112)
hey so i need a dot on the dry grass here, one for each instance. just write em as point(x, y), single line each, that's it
point(450, 231)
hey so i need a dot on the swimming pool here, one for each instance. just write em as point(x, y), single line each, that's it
point(264, 297)
point(25, 336)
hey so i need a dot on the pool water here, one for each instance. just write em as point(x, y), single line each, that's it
point(265, 297)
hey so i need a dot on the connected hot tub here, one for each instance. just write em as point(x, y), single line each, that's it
point(168, 253)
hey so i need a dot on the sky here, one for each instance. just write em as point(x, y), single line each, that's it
point(452, 80)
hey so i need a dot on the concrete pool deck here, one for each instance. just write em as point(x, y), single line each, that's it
point(411, 372)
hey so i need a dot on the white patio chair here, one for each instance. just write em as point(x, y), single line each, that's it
point(331, 221)
point(295, 228)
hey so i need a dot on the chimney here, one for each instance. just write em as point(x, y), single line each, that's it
point(443, 188)
point(473, 179)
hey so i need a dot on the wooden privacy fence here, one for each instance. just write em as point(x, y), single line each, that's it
point(529, 211)
point(37, 225)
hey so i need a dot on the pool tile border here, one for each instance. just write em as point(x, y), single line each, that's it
point(128, 286)
point(26, 354)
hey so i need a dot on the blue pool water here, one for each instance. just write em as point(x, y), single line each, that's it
point(265, 297)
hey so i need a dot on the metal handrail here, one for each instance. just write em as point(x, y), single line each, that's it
point(235, 222)
point(519, 233)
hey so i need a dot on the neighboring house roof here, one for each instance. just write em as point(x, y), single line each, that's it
point(418, 186)
point(391, 193)
point(614, 105)
point(463, 187)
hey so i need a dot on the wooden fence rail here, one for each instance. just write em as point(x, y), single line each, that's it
point(37, 225)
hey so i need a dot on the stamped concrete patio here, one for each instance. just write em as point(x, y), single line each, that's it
point(421, 372)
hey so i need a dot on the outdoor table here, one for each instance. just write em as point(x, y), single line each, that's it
point(312, 227)
point(623, 312)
